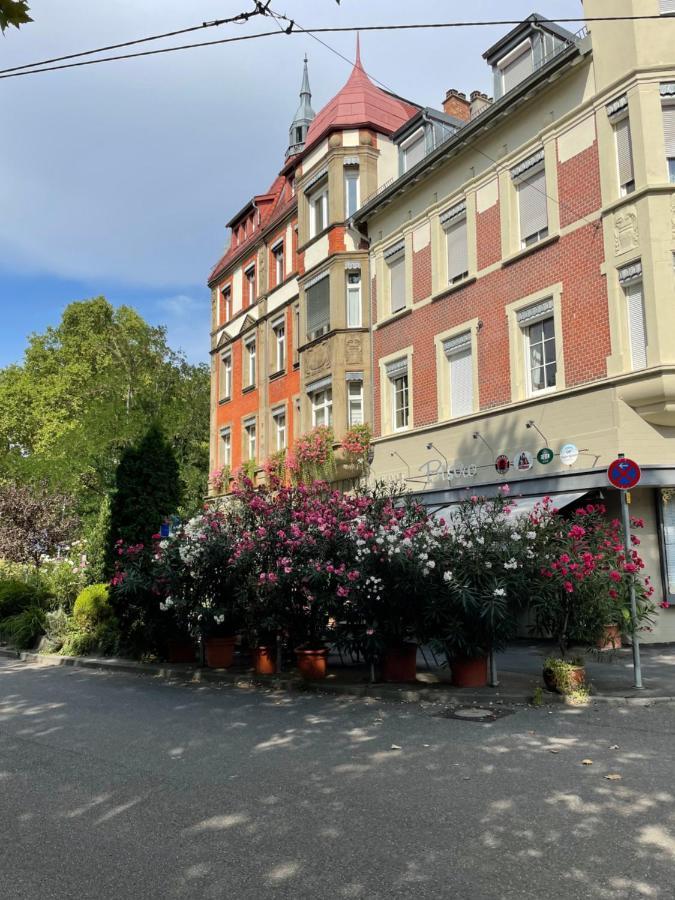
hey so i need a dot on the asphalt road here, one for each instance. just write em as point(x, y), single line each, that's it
point(119, 786)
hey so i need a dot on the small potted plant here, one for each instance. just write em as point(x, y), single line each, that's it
point(219, 629)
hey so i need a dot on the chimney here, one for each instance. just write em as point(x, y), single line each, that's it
point(456, 104)
point(479, 102)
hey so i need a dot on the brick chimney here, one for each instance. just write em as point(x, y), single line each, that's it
point(456, 104)
point(479, 102)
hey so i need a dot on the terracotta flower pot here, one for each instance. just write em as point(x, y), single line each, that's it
point(180, 650)
point(469, 672)
point(611, 639)
point(264, 660)
point(219, 652)
point(400, 662)
point(576, 678)
point(312, 663)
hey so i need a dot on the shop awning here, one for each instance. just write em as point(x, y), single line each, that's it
point(524, 505)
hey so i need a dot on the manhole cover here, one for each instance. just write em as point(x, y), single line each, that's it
point(474, 712)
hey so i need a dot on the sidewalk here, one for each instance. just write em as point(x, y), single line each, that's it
point(519, 672)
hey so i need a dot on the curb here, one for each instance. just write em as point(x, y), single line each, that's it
point(385, 692)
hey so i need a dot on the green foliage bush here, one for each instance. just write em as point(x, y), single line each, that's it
point(92, 607)
point(103, 639)
point(17, 595)
point(24, 628)
point(63, 581)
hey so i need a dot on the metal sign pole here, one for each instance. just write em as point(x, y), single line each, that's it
point(637, 668)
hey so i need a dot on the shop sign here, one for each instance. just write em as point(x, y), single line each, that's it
point(523, 461)
point(545, 456)
point(569, 454)
point(502, 464)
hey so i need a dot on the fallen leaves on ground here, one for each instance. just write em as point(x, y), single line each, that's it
point(586, 762)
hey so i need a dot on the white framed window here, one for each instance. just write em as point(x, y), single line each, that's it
point(624, 156)
point(279, 423)
point(630, 279)
point(354, 400)
point(279, 333)
point(394, 258)
point(668, 111)
point(296, 335)
point(351, 190)
point(226, 446)
point(278, 253)
point(516, 66)
point(353, 298)
point(537, 324)
point(226, 376)
point(250, 362)
point(250, 445)
point(318, 212)
point(532, 208)
point(250, 281)
point(413, 149)
point(397, 373)
point(322, 406)
point(454, 224)
point(460, 372)
point(317, 291)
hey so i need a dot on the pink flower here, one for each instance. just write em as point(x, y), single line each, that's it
point(631, 568)
point(505, 489)
point(615, 576)
point(569, 587)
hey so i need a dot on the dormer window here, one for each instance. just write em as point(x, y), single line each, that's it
point(413, 149)
point(516, 65)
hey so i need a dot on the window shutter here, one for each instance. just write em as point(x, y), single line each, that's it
point(517, 70)
point(461, 383)
point(458, 257)
point(532, 204)
point(414, 153)
point(318, 306)
point(636, 325)
point(669, 130)
point(397, 368)
point(667, 6)
point(624, 151)
point(397, 275)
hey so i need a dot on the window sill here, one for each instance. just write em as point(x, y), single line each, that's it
point(274, 375)
point(224, 400)
point(393, 317)
point(533, 248)
point(248, 389)
point(453, 288)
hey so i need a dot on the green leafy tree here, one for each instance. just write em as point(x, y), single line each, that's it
point(147, 490)
point(13, 12)
point(86, 390)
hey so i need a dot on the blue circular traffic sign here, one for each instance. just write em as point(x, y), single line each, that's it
point(624, 474)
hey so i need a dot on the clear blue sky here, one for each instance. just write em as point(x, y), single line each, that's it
point(118, 179)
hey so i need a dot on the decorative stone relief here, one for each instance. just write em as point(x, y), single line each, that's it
point(626, 234)
point(353, 350)
point(318, 359)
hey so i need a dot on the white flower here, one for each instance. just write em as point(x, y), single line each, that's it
point(487, 564)
point(531, 535)
point(162, 606)
point(168, 603)
point(499, 592)
point(431, 564)
point(447, 576)
point(480, 540)
point(515, 537)
point(511, 564)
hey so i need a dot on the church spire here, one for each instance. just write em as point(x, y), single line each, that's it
point(303, 116)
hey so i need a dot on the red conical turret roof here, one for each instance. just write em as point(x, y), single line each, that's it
point(360, 103)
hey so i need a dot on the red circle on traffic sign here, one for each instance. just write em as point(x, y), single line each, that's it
point(624, 474)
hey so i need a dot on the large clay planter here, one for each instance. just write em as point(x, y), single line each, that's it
point(180, 651)
point(577, 678)
point(611, 639)
point(219, 652)
point(264, 660)
point(312, 663)
point(400, 663)
point(469, 672)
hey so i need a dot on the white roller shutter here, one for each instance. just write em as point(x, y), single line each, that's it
point(397, 283)
point(667, 6)
point(532, 204)
point(624, 151)
point(461, 383)
point(669, 130)
point(517, 70)
point(637, 328)
point(458, 257)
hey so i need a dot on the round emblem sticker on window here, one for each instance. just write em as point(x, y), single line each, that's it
point(502, 464)
point(523, 461)
point(569, 454)
point(545, 456)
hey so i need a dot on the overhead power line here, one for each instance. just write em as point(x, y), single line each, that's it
point(261, 9)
